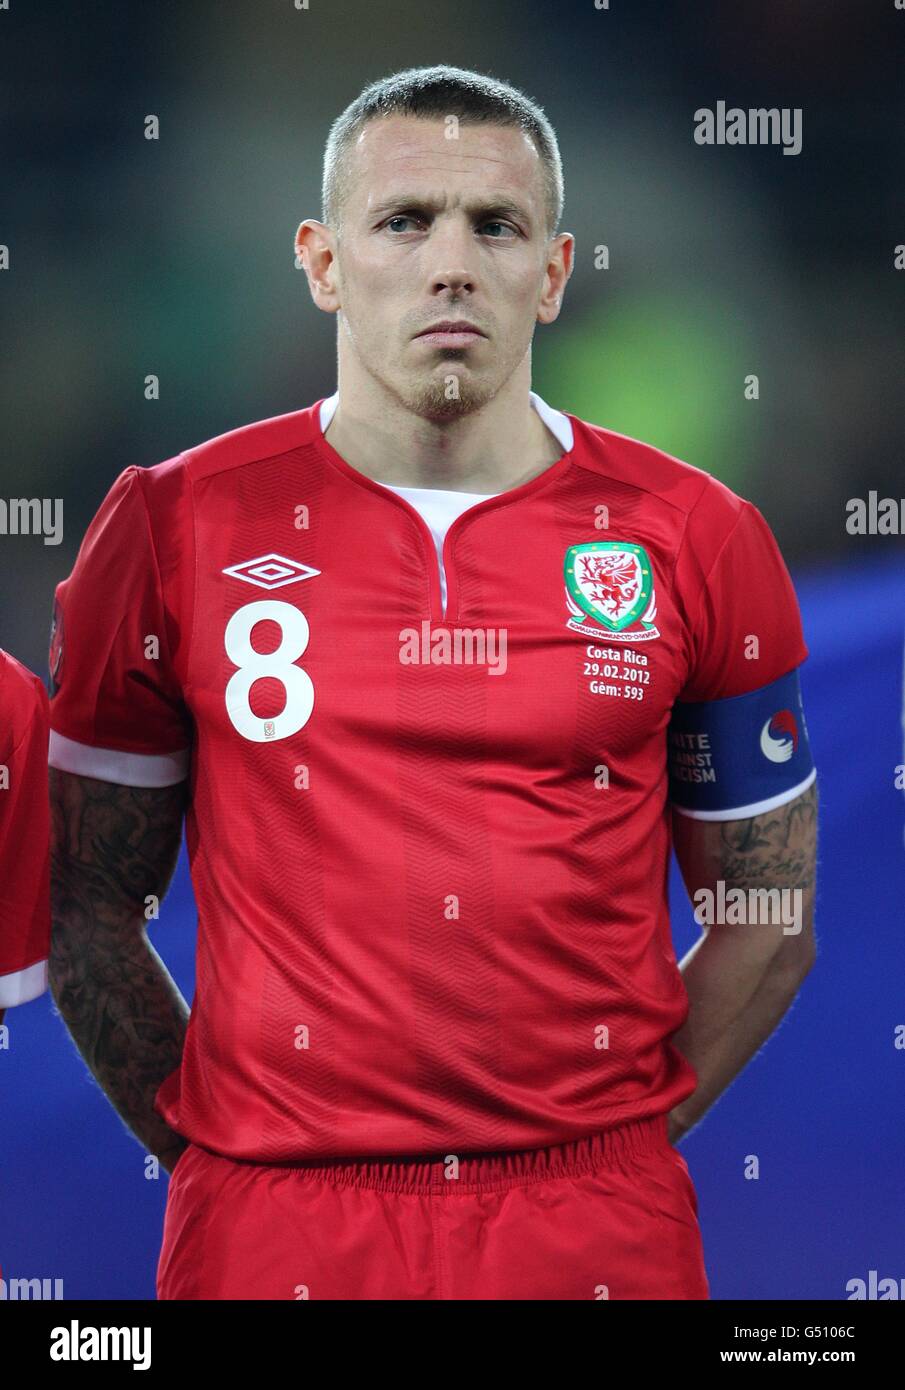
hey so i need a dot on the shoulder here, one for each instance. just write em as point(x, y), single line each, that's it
point(23, 700)
point(668, 481)
point(166, 487)
point(251, 443)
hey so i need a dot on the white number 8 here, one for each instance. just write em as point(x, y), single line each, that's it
point(252, 665)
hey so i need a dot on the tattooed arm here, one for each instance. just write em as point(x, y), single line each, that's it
point(741, 978)
point(111, 846)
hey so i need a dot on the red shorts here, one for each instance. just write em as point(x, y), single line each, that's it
point(614, 1216)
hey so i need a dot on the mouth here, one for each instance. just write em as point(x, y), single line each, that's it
point(451, 333)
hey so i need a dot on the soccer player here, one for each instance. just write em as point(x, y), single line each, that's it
point(24, 835)
point(412, 660)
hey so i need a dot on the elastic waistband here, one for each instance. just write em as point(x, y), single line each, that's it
point(478, 1172)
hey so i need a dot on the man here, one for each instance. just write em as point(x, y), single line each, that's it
point(408, 658)
point(24, 835)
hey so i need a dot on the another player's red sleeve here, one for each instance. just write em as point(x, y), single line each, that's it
point(744, 619)
point(24, 836)
point(116, 709)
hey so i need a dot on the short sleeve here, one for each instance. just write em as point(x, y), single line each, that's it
point(746, 624)
point(24, 839)
point(116, 711)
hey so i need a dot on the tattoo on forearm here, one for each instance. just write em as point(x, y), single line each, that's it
point(111, 847)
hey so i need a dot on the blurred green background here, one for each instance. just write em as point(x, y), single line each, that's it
point(174, 257)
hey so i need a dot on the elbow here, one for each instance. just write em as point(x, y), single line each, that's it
point(58, 967)
point(54, 982)
point(792, 966)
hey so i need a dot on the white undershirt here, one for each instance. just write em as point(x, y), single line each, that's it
point(438, 506)
point(439, 509)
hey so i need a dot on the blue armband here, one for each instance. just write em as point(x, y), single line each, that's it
point(742, 756)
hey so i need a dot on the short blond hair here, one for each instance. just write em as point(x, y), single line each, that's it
point(433, 93)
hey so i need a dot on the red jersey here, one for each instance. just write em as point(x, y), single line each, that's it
point(24, 835)
point(429, 848)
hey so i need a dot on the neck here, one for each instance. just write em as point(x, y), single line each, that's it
point(499, 446)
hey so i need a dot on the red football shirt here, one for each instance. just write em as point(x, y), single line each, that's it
point(24, 834)
point(429, 850)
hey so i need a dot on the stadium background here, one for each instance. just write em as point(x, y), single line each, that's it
point(174, 257)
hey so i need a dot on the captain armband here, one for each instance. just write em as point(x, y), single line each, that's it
point(742, 756)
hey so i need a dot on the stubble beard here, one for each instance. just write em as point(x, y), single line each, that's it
point(447, 395)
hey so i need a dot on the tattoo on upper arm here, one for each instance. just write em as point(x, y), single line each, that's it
point(111, 846)
point(774, 848)
point(116, 843)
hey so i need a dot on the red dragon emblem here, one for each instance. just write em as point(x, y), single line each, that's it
point(611, 581)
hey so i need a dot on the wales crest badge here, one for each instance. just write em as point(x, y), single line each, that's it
point(610, 591)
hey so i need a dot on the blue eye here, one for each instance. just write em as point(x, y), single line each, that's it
point(391, 224)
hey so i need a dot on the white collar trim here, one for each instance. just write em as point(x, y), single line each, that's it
point(557, 423)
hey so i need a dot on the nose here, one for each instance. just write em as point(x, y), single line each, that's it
point(452, 247)
point(455, 280)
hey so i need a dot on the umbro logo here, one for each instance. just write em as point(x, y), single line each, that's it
point(271, 571)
